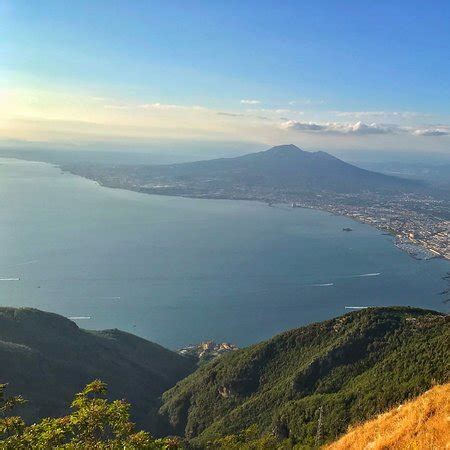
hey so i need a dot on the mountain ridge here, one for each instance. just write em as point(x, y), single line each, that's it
point(355, 366)
point(47, 358)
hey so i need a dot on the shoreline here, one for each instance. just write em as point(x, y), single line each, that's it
point(411, 248)
point(408, 246)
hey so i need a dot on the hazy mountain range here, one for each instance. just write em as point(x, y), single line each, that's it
point(282, 170)
point(284, 166)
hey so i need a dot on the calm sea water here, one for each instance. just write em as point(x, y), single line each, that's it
point(179, 271)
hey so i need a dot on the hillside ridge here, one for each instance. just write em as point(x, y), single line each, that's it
point(47, 358)
point(355, 366)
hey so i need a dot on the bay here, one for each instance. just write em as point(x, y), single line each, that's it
point(179, 271)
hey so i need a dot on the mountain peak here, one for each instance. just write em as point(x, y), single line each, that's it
point(291, 150)
point(285, 148)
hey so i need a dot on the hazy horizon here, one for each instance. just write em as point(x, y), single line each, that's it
point(342, 78)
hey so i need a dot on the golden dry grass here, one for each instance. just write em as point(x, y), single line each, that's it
point(423, 423)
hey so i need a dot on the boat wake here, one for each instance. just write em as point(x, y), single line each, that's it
point(374, 274)
point(323, 284)
point(80, 317)
point(9, 279)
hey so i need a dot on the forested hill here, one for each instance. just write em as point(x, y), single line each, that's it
point(350, 368)
point(47, 359)
point(338, 372)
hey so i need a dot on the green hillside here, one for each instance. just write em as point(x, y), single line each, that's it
point(353, 367)
point(47, 359)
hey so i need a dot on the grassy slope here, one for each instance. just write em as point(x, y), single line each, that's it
point(422, 423)
point(354, 366)
point(47, 359)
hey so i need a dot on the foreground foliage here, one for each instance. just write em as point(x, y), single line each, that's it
point(95, 423)
point(47, 357)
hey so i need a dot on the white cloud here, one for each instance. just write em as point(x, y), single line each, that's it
point(432, 132)
point(250, 102)
point(358, 128)
point(361, 129)
point(303, 126)
point(373, 128)
point(228, 114)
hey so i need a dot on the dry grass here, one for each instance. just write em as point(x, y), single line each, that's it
point(423, 423)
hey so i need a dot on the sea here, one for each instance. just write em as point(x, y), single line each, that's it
point(179, 271)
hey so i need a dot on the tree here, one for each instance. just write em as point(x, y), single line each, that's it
point(95, 423)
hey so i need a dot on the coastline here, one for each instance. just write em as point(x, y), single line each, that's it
point(412, 248)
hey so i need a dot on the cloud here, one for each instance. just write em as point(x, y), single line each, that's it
point(373, 128)
point(361, 129)
point(250, 102)
point(220, 113)
point(358, 128)
point(303, 126)
point(432, 132)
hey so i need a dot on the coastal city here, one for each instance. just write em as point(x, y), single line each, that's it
point(417, 222)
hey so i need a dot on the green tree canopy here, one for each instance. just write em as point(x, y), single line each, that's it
point(95, 423)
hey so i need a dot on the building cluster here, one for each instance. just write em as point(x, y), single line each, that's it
point(207, 350)
point(414, 221)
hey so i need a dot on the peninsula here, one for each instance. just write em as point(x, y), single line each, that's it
point(416, 214)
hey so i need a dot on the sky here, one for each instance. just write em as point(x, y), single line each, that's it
point(323, 75)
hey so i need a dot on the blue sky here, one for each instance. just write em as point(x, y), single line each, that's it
point(326, 74)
